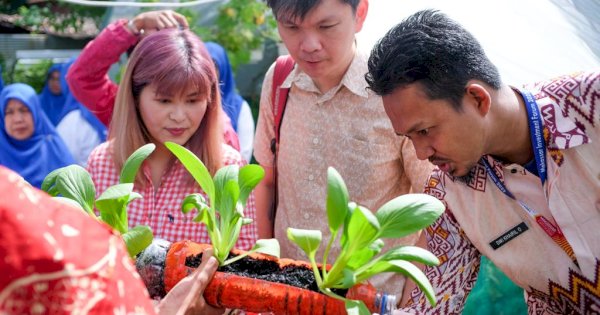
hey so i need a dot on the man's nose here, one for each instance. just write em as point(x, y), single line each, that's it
point(310, 42)
point(423, 150)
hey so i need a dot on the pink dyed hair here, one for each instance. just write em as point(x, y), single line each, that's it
point(173, 61)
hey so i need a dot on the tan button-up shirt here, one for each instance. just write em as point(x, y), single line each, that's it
point(345, 128)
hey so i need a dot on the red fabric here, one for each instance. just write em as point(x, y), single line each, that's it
point(88, 76)
point(56, 259)
point(160, 209)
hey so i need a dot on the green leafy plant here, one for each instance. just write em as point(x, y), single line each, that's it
point(360, 234)
point(73, 184)
point(58, 17)
point(228, 193)
point(241, 26)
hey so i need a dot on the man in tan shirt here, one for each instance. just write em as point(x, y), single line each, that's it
point(331, 119)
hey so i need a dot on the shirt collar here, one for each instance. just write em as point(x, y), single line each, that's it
point(353, 79)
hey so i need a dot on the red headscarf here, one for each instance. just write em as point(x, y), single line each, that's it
point(56, 259)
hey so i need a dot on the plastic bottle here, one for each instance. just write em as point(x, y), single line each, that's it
point(376, 301)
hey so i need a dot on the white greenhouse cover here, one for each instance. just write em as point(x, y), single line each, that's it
point(528, 40)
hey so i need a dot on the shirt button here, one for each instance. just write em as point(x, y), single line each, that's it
point(316, 140)
point(311, 177)
point(306, 215)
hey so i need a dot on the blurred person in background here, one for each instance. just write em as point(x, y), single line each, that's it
point(29, 144)
point(234, 105)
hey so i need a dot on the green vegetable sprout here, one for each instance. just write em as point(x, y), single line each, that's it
point(361, 240)
point(75, 186)
point(228, 193)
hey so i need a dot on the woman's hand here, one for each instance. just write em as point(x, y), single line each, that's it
point(152, 21)
point(186, 297)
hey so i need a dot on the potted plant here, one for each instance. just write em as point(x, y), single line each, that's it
point(340, 284)
point(74, 185)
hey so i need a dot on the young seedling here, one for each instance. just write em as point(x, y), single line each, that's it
point(361, 240)
point(227, 194)
point(74, 185)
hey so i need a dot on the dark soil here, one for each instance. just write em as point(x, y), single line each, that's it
point(267, 270)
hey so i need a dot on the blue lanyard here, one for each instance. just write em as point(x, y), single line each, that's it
point(536, 134)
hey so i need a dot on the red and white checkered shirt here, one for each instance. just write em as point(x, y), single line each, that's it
point(161, 209)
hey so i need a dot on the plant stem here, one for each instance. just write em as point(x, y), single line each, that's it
point(315, 268)
point(326, 253)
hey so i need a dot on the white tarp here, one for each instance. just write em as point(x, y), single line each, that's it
point(528, 40)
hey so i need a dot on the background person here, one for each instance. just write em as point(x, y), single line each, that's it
point(29, 144)
point(234, 105)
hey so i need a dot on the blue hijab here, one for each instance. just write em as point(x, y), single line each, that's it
point(71, 104)
point(52, 104)
point(43, 152)
point(1, 80)
point(231, 100)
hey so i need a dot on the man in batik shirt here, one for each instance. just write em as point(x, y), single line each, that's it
point(517, 170)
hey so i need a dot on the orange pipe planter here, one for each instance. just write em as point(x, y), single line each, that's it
point(254, 295)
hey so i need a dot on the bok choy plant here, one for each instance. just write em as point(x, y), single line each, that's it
point(360, 234)
point(227, 194)
point(74, 185)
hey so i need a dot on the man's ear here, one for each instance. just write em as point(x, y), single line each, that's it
point(478, 96)
point(361, 14)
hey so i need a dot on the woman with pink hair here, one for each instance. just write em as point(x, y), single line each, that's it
point(169, 92)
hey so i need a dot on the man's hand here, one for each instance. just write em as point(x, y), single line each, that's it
point(153, 21)
point(186, 297)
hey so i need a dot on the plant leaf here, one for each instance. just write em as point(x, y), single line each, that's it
point(354, 307)
point(134, 161)
point(408, 214)
point(196, 168)
point(268, 246)
point(72, 182)
point(224, 180)
point(137, 239)
point(112, 205)
point(49, 183)
point(352, 206)
point(361, 257)
point(229, 216)
point(363, 229)
point(193, 201)
point(307, 240)
point(337, 200)
point(411, 253)
point(250, 175)
point(348, 279)
point(408, 269)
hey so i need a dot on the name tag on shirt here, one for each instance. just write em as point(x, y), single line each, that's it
point(509, 235)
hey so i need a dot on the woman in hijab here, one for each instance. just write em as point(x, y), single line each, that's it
point(79, 128)
point(29, 143)
point(234, 105)
point(53, 97)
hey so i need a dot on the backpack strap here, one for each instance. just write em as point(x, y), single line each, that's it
point(283, 67)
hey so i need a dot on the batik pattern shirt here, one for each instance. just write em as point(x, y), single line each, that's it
point(160, 209)
point(477, 213)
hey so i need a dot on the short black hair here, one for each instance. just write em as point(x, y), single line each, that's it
point(299, 8)
point(431, 49)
